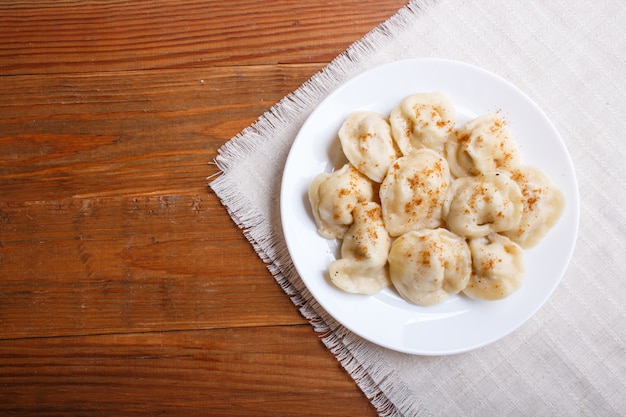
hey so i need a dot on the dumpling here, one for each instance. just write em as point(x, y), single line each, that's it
point(543, 205)
point(497, 267)
point(429, 265)
point(423, 121)
point(413, 192)
point(477, 206)
point(482, 145)
point(367, 143)
point(333, 197)
point(362, 268)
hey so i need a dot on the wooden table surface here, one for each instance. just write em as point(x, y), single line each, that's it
point(125, 287)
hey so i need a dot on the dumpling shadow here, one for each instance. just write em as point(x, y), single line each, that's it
point(336, 157)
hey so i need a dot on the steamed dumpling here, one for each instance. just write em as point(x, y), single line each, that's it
point(333, 197)
point(367, 143)
point(427, 266)
point(413, 192)
point(543, 205)
point(423, 121)
point(482, 145)
point(497, 267)
point(363, 268)
point(477, 206)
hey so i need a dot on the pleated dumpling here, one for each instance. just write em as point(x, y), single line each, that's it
point(543, 205)
point(367, 143)
point(482, 145)
point(362, 268)
point(497, 267)
point(333, 197)
point(480, 205)
point(423, 120)
point(429, 265)
point(413, 192)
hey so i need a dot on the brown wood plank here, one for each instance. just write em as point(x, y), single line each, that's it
point(107, 224)
point(112, 35)
point(131, 133)
point(111, 265)
point(269, 371)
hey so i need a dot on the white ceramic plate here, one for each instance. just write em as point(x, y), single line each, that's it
point(460, 324)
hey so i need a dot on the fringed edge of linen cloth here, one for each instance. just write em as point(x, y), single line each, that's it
point(268, 240)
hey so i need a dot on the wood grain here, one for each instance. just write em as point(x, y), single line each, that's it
point(93, 36)
point(131, 133)
point(86, 217)
point(259, 371)
point(125, 287)
point(95, 266)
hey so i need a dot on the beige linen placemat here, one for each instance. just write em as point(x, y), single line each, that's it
point(568, 359)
